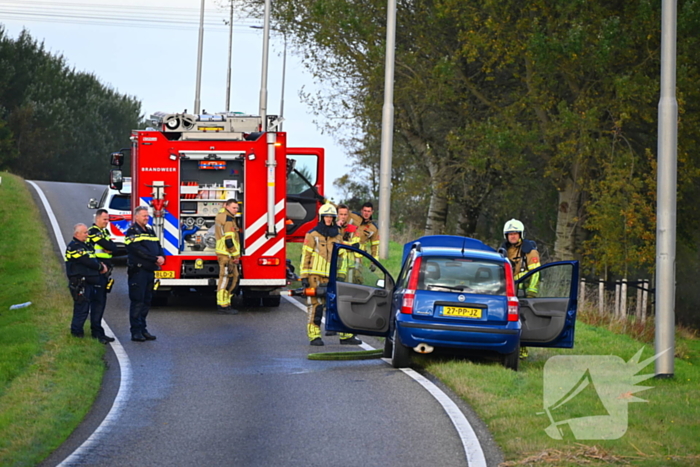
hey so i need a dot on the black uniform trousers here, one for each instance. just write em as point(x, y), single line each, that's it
point(140, 295)
point(98, 301)
point(81, 310)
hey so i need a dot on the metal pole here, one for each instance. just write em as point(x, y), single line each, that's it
point(666, 197)
point(284, 71)
point(197, 105)
point(387, 132)
point(228, 71)
point(263, 79)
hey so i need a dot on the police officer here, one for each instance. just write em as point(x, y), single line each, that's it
point(83, 271)
point(101, 242)
point(315, 270)
point(228, 254)
point(524, 257)
point(145, 256)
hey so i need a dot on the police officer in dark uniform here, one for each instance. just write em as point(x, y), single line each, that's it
point(145, 256)
point(83, 271)
point(101, 242)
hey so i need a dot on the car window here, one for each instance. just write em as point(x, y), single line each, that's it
point(555, 281)
point(359, 270)
point(462, 275)
point(120, 202)
point(401, 281)
point(103, 198)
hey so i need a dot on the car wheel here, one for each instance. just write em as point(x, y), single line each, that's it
point(511, 360)
point(271, 301)
point(400, 354)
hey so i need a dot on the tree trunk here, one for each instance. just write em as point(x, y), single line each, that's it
point(437, 211)
point(567, 220)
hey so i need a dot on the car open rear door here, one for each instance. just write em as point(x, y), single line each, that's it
point(358, 295)
point(549, 320)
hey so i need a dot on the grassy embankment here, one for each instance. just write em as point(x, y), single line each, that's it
point(48, 379)
point(665, 431)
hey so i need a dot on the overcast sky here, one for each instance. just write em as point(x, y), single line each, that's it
point(148, 49)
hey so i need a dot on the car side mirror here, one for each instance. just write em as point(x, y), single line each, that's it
point(116, 179)
point(92, 204)
point(521, 293)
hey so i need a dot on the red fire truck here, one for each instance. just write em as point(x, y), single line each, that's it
point(186, 166)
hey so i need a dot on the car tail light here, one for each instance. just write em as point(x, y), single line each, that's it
point(268, 261)
point(410, 292)
point(513, 303)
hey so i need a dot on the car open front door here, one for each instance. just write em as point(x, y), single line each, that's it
point(358, 294)
point(305, 168)
point(549, 319)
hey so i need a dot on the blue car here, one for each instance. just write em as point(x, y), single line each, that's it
point(452, 293)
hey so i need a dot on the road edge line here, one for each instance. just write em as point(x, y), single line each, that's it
point(472, 446)
point(124, 363)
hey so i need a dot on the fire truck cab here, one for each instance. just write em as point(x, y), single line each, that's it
point(186, 166)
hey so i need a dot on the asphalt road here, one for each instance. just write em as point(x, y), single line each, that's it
point(238, 390)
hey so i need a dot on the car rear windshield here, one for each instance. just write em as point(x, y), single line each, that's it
point(120, 203)
point(462, 275)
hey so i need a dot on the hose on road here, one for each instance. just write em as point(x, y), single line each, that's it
point(356, 355)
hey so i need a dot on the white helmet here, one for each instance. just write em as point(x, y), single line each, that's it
point(513, 225)
point(327, 210)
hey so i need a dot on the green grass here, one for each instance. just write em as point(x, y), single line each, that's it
point(48, 380)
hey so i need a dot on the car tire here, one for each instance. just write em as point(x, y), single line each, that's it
point(511, 360)
point(400, 354)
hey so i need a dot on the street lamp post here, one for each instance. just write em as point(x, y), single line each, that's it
point(284, 73)
point(228, 71)
point(198, 87)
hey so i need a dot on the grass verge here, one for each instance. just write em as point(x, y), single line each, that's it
point(48, 379)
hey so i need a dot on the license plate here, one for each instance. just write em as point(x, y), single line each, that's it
point(461, 312)
point(165, 274)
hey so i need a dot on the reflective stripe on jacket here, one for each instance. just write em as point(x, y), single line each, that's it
point(101, 241)
point(316, 255)
point(226, 232)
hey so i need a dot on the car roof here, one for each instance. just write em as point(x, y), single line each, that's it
point(452, 245)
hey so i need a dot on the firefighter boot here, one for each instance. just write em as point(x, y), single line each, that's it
point(349, 339)
point(223, 301)
point(314, 333)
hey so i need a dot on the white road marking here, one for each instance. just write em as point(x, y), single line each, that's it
point(472, 447)
point(120, 401)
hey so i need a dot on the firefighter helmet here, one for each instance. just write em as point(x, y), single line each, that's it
point(327, 210)
point(513, 225)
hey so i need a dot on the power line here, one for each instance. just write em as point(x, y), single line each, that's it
point(115, 15)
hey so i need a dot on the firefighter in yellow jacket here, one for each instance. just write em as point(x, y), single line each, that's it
point(524, 257)
point(228, 253)
point(315, 270)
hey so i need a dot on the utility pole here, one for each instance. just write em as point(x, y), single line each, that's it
point(664, 343)
point(387, 132)
point(228, 71)
point(197, 105)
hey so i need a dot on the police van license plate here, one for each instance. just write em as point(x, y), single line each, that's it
point(461, 312)
point(165, 274)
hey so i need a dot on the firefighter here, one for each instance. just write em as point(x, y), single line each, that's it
point(83, 271)
point(228, 253)
point(101, 242)
point(315, 270)
point(524, 257)
point(347, 232)
point(366, 239)
point(145, 256)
